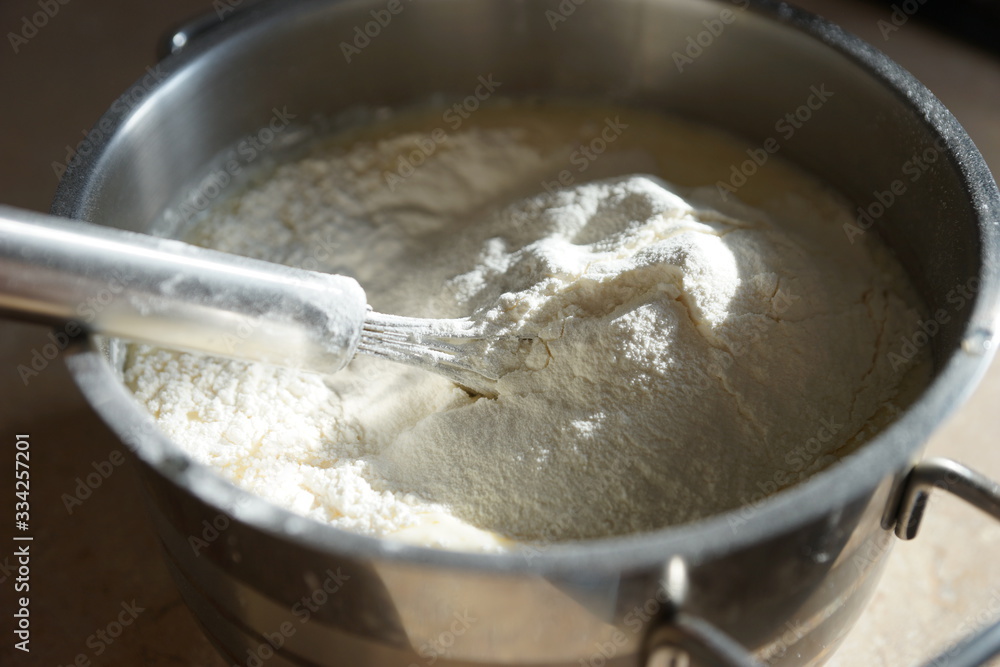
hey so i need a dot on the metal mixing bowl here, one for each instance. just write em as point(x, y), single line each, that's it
point(785, 578)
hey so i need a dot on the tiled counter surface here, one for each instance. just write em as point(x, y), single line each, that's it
point(103, 555)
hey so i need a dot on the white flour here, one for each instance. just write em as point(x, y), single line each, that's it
point(691, 353)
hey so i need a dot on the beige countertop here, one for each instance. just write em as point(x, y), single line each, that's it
point(89, 563)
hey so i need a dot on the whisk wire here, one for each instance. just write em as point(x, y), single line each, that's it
point(439, 345)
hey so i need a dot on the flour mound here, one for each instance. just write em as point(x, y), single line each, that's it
point(687, 355)
point(683, 355)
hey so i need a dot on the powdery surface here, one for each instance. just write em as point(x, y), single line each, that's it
point(690, 353)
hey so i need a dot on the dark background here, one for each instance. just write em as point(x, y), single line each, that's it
point(975, 21)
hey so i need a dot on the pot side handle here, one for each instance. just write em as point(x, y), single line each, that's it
point(179, 36)
point(687, 641)
point(975, 489)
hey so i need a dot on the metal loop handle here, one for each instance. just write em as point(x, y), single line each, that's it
point(978, 491)
point(686, 641)
point(948, 475)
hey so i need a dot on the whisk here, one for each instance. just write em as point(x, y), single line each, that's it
point(88, 279)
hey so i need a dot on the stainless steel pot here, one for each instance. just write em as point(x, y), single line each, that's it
point(782, 579)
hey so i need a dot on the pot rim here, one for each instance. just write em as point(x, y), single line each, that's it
point(891, 452)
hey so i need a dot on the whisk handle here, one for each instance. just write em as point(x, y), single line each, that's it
point(93, 279)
